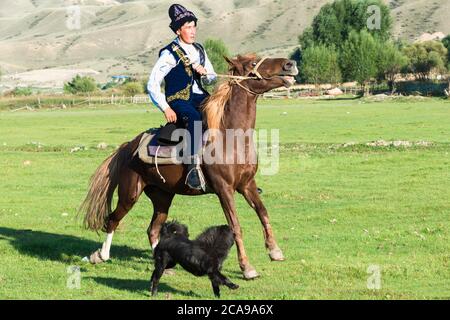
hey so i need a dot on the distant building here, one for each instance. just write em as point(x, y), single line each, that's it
point(120, 78)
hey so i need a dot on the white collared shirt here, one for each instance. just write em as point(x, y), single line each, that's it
point(167, 62)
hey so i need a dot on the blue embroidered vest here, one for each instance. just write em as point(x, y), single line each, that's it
point(179, 81)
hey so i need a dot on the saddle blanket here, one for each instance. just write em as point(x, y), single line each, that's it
point(151, 153)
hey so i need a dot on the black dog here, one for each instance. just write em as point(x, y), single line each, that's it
point(202, 256)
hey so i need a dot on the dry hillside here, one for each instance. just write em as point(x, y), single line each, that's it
point(124, 36)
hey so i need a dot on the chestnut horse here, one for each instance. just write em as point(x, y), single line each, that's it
point(232, 106)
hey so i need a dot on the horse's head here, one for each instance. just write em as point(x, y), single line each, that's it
point(269, 73)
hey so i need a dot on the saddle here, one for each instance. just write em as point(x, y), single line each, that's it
point(157, 147)
point(164, 135)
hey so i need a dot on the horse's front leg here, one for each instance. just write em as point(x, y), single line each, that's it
point(250, 193)
point(229, 208)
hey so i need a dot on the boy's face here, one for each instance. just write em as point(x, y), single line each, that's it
point(187, 32)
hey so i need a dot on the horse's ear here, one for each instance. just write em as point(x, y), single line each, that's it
point(228, 60)
point(235, 65)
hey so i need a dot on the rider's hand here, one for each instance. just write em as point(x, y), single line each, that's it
point(171, 116)
point(200, 69)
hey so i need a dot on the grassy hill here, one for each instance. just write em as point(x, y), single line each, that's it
point(125, 36)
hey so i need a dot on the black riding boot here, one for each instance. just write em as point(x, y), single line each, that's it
point(195, 179)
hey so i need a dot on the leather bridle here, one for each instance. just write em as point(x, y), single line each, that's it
point(238, 79)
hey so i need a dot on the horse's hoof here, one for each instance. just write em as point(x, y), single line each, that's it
point(96, 257)
point(250, 274)
point(276, 254)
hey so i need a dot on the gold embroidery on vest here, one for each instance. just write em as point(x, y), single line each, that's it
point(183, 94)
point(183, 58)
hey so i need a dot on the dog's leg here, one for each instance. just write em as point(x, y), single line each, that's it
point(215, 282)
point(161, 260)
point(226, 281)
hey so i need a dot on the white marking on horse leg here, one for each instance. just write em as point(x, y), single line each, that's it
point(155, 244)
point(106, 247)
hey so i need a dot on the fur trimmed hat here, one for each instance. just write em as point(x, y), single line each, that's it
point(179, 15)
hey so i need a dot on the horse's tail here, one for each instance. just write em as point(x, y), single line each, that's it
point(97, 204)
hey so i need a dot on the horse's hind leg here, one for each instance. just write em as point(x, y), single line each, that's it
point(161, 201)
point(250, 193)
point(130, 188)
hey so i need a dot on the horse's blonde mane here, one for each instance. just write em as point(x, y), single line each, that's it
point(214, 106)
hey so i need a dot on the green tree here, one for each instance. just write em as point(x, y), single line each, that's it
point(326, 26)
point(307, 38)
point(22, 91)
point(426, 57)
point(446, 43)
point(296, 55)
point(216, 50)
point(320, 65)
point(335, 21)
point(144, 82)
point(359, 58)
point(132, 88)
point(390, 62)
point(84, 85)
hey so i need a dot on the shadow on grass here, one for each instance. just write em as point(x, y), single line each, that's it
point(62, 248)
point(142, 286)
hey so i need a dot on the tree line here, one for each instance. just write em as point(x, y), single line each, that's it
point(340, 46)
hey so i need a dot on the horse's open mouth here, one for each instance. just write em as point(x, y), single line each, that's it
point(288, 80)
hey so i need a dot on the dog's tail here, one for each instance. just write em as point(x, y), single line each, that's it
point(218, 239)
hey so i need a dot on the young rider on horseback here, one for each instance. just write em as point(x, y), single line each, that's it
point(180, 65)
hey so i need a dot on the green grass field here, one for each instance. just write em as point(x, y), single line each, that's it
point(336, 209)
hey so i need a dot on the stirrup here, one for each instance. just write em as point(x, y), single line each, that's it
point(195, 169)
point(201, 185)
